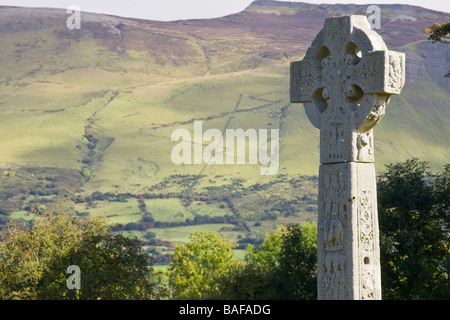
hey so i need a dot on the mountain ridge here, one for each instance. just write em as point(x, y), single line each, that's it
point(248, 21)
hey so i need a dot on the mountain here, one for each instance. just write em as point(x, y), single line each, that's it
point(102, 101)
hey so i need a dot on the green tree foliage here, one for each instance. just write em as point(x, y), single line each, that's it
point(253, 281)
point(295, 277)
point(282, 267)
point(438, 32)
point(198, 265)
point(34, 261)
point(414, 229)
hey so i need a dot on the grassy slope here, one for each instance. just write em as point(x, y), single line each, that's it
point(142, 117)
point(51, 89)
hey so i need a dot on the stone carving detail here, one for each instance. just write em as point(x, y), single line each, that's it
point(396, 77)
point(331, 232)
point(345, 82)
point(332, 140)
point(368, 285)
point(369, 73)
point(306, 79)
point(377, 104)
point(366, 237)
point(365, 147)
point(335, 277)
point(367, 233)
point(335, 213)
point(378, 110)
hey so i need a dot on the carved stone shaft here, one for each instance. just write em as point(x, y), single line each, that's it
point(348, 250)
point(345, 82)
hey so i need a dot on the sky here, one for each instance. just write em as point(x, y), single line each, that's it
point(167, 10)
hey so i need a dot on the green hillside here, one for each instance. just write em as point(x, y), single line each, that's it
point(92, 111)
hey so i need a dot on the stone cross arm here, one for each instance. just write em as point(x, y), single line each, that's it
point(375, 73)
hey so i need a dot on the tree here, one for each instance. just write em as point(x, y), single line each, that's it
point(282, 267)
point(253, 281)
point(34, 261)
point(267, 254)
point(295, 278)
point(439, 33)
point(198, 265)
point(414, 222)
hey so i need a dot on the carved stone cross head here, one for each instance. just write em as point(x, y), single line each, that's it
point(344, 83)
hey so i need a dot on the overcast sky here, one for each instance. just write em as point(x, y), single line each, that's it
point(166, 10)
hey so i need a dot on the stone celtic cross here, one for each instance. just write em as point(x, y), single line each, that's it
point(345, 82)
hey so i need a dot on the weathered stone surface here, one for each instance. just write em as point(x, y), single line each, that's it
point(348, 250)
point(345, 82)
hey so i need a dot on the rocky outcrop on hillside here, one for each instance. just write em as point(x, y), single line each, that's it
point(427, 62)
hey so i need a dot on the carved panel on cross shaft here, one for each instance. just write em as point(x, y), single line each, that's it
point(396, 72)
point(333, 143)
point(335, 282)
point(335, 211)
point(365, 147)
point(365, 208)
point(332, 234)
point(306, 80)
point(368, 285)
point(368, 72)
point(366, 243)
